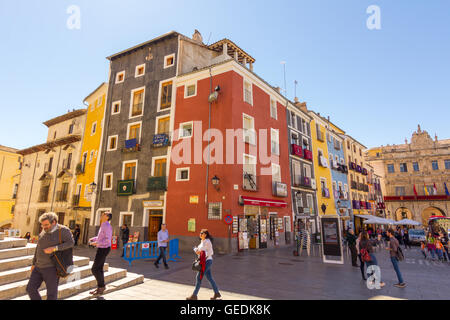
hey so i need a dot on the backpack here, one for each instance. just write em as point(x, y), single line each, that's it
point(365, 256)
point(400, 255)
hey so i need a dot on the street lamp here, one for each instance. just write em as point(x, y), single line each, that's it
point(93, 187)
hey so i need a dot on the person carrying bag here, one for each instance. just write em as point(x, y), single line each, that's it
point(62, 259)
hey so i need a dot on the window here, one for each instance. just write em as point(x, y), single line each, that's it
point(294, 138)
point(54, 136)
point(274, 141)
point(71, 128)
point(159, 168)
point(215, 211)
point(305, 127)
point(16, 187)
point(296, 172)
point(399, 191)
point(360, 154)
point(182, 174)
point(134, 131)
point(120, 77)
point(435, 165)
point(166, 95)
point(169, 60)
point(94, 128)
point(310, 203)
point(249, 129)
point(69, 160)
point(249, 165)
point(273, 109)
point(186, 130)
point(115, 107)
point(447, 164)
point(137, 102)
point(276, 173)
point(112, 143)
point(320, 135)
point(416, 166)
point(307, 170)
point(354, 148)
point(91, 156)
point(50, 164)
point(129, 170)
point(163, 125)
point(248, 96)
point(107, 181)
point(390, 168)
point(86, 191)
point(140, 71)
point(99, 101)
point(293, 120)
point(191, 90)
point(403, 167)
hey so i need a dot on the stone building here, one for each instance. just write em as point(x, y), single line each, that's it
point(415, 176)
point(10, 168)
point(48, 174)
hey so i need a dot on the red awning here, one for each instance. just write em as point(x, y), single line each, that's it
point(251, 201)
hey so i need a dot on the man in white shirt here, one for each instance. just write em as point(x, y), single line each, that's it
point(163, 240)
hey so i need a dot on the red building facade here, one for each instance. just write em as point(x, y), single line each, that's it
point(229, 156)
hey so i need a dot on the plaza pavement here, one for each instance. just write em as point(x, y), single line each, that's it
point(277, 274)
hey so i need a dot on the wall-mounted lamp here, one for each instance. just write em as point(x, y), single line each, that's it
point(215, 181)
point(93, 187)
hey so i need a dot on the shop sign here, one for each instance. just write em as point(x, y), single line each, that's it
point(153, 203)
point(331, 239)
point(280, 189)
point(235, 224)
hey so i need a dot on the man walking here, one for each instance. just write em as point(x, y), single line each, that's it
point(163, 240)
point(351, 241)
point(76, 234)
point(43, 268)
point(125, 236)
point(393, 248)
point(103, 245)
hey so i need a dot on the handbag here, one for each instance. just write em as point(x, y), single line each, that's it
point(63, 260)
point(196, 266)
point(365, 256)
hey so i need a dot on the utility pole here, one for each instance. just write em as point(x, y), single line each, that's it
point(284, 70)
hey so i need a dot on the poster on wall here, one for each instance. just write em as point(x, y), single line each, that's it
point(263, 233)
point(191, 225)
point(331, 239)
point(235, 224)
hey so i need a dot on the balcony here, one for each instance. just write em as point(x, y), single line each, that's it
point(131, 145)
point(79, 169)
point(306, 182)
point(126, 187)
point(308, 154)
point(356, 204)
point(366, 188)
point(75, 200)
point(157, 183)
point(358, 169)
point(61, 196)
point(353, 185)
point(325, 193)
point(297, 150)
point(43, 197)
point(353, 166)
point(161, 140)
point(364, 171)
point(418, 198)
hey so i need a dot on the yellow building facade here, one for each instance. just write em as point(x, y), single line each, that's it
point(322, 169)
point(87, 166)
point(10, 169)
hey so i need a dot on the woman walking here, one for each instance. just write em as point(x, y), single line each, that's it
point(361, 262)
point(205, 253)
point(431, 246)
point(366, 244)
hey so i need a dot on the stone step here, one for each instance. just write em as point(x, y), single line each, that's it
point(12, 243)
point(29, 249)
point(73, 288)
point(2, 236)
point(17, 289)
point(130, 280)
point(20, 274)
point(26, 261)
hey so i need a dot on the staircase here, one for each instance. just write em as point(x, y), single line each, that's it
point(16, 256)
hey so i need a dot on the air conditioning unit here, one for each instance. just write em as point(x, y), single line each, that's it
point(313, 183)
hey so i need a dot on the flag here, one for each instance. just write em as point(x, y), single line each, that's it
point(426, 191)
point(415, 191)
point(446, 190)
point(434, 189)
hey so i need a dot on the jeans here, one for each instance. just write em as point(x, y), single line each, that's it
point(430, 250)
point(97, 267)
point(354, 254)
point(439, 253)
point(373, 260)
point(361, 266)
point(47, 275)
point(162, 254)
point(397, 269)
point(208, 275)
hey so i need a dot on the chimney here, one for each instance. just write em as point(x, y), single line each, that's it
point(300, 105)
point(278, 89)
point(197, 37)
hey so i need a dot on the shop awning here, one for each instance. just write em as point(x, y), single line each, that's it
point(364, 216)
point(251, 201)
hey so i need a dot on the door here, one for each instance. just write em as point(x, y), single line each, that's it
point(154, 225)
point(85, 230)
point(130, 171)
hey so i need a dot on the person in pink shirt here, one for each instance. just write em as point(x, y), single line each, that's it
point(103, 244)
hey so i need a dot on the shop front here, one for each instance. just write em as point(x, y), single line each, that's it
point(263, 224)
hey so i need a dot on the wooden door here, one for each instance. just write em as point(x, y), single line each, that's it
point(61, 218)
point(154, 226)
point(86, 231)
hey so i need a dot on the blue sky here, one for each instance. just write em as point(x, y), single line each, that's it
point(377, 85)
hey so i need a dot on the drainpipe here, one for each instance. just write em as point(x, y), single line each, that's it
point(209, 141)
